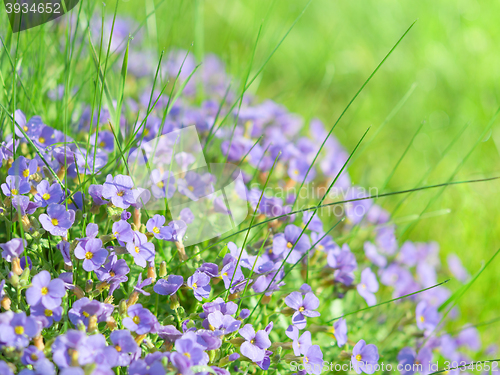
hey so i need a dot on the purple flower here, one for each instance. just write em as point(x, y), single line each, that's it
point(340, 331)
point(469, 337)
point(123, 232)
point(254, 348)
point(410, 362)
point(170, 286)
point(84, 308)
point(124, 344)
point(344, 262)
point(13, 249)
point(119, 191)
point(19, 330)
point(47, 194)
point(95, 191)
point(24, 206)
point(372, 254)
point(31, 355)
point(285, 242)
point(140, 320)
point(192, 186)
point(304, 307)
point(113, 267)
point(92, 253)
point(142, 284)
point(190, 350)
point(297, 170)
point(222, 324)
point(313, 360)
point(23, 168)
point(155, 226)
point(200, 283)
point(300, 344)
point(15, 185)
point(45, 291)
point(46, 316)
point(141, 250)
point(368, 286)
point(64, 247)
point(57, 220)
point(457, 268)
point(163, 185)
point(427, 316)
point(5, 368)
point(364, 357)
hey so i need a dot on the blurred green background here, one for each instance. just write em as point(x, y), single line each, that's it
point(449, 63)
point(448, 67)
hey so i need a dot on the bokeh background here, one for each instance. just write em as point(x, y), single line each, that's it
point(444, 74)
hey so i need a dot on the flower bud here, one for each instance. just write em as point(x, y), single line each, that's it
point(181, 250)
point(344, 355)
point(266, 299)
point(174, 302)
point(92, 324)
point(163, 269)
point(122, 307)
point(106, 238)
point(134, 297)
point(111, 323)
point(89, 286)
point(78, 292)
point(139, 339)
point(38, 341)
point(6, 302)
point(24, 279)
point(276, 358)
point(16, 266)
point(13, 279)
point(152, 273)
point(237, 341)
point(211, 355)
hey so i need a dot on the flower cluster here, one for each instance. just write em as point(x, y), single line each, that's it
point(94, 281)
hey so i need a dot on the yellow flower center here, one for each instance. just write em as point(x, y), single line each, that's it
point(136, 319)
point(14, 192)
point(212, 328)
point(34, 357)
point(26, 173)
point(321, 247)
point(358, 357)
point(48, 312)
point(187, 354)
point(102, 144)
point(301, 308)
point(25, 128)
point(363, 286)
point(422, 319)
point(191, 188)
point(118, 348)
point(289, 245)
point(111, 273)
point(156, 230)
point(120, 193)
point(46, 196)
point(137, 249)
point(55, 222)
point(195, 285)
point(41, 140)
point(296, 171)
point(89, 255)
point(252, 341)
point(306, 360)
point(160, 184)
point(19, 330)
point(85, 314)
point(45, 290)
